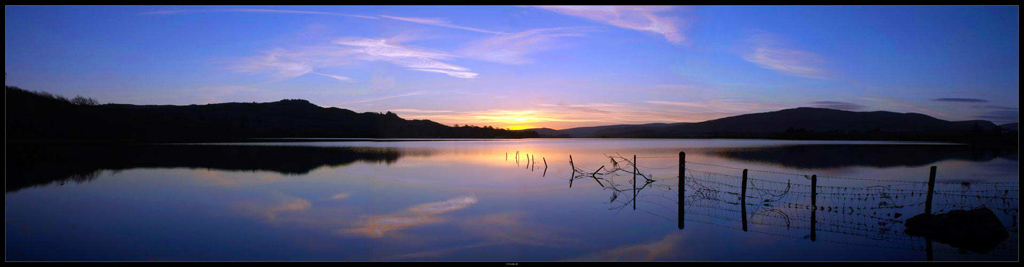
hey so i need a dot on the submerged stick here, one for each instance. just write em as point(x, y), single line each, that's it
point(594, 175)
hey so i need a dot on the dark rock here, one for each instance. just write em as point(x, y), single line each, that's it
point(977, 230)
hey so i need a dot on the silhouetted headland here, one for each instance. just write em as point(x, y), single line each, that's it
point(812, 124)
point(43, 116)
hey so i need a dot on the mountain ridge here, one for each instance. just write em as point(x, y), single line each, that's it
point(42, 116)
point(802, 123)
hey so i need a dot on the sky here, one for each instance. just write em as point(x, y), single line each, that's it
point(523, 67)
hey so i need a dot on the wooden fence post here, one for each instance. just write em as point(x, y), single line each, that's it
point(743, 200)
point(814, 206)
point(682, 188)
point(931, 187)
point(634, 182)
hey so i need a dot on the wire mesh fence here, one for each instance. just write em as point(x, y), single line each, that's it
point(858, 211)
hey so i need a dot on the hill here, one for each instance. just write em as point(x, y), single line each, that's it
point(810, 123)
point(36, 115)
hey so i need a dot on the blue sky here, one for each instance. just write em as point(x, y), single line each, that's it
point(521, 67)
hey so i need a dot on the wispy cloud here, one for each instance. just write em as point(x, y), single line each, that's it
point(679, 104)
point(405, 56)
point(837, 105)
point(276, 62)
point(384, 98)
point(252, 10)
point(960, 100)
point(427, 21)
point(336, 77)
point(440, 23)
point(284, 65)
point(768, 51)
point(272, 209)
point(419, 111)
point(641, 18)
point(513, 48)
point(453, 73)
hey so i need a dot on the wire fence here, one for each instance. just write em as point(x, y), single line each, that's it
point(862, 212)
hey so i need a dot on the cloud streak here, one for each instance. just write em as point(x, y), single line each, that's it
point(408, 57)
point(439, 22)
point(284, 65)
point(385, 98)
point(768, 52)
point(513, 48)
point(251, 10)
point(426, 21)
point(640, 18)
point(336, 77)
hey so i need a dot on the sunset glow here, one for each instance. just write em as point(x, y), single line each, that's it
point(552, 66)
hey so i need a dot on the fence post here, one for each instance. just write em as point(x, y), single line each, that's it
point(814, 206)
point(743, 200)
point(517, 158)
point(634, 182)
point(931, 187)
point(682, 188)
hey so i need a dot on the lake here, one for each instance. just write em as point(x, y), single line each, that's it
point(499, 200)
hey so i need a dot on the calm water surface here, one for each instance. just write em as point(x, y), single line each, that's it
point(475, 200)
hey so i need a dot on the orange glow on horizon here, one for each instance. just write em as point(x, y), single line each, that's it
point(521, 127)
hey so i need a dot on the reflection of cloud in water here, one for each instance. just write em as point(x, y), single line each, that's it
point(640, 252)
point(444, 206)
point(376, 226)
point(271, 211)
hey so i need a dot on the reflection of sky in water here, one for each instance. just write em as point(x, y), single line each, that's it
point(447, 201)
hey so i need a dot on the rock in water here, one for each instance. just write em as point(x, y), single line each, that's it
point(977, 230)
